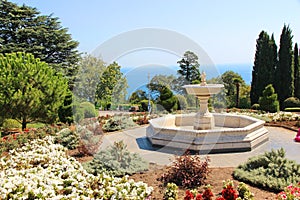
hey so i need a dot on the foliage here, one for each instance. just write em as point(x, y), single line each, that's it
point(171, 192)
point(268, 101)
point(24, 29)
point(255, 106)
point(116, 123)
point(29, 89)
point(166, 99)
point(137, 96)
point(116, 160)
point(264, 65)
point(10, 123)
point(84, 110)
point(182, 102)
point(17, 140)
point(68, 138)
point(228, 192)
point(291, 102)
point(270, 170)
point(284, 84)
point(88, 76)
point(91, 134)
point(43, 170)
point(188, 171)
point(65, 111)
point(296, 72)
point(189, 67)
point(232, 82)
point(111, 84)
point(244, 192)
point(290, 192)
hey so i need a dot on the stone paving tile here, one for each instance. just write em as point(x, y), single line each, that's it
point(137, 142)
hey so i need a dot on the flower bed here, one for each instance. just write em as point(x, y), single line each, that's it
point(41, 169)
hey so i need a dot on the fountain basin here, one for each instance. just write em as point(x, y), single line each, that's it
point(203, 90)
point(232, 133)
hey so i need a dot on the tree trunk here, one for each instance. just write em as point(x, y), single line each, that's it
point(24, 123)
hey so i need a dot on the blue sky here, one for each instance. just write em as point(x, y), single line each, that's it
point(226, 29)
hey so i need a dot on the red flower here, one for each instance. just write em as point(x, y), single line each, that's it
point(188, 195)
point(229, 193)
point(199, 197)
point(207, 194)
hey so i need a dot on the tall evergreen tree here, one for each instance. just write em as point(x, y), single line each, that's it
point(24, 29)
point(284, 83)
point(296, 72)
point(264, 65)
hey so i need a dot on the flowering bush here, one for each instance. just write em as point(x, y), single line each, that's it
point(228, 193)
point(187, 171)
point(290, 193)
point(42, 170)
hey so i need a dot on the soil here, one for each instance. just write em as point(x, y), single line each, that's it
point(215, 179)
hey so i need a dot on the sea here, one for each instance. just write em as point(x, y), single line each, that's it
point(138, 77)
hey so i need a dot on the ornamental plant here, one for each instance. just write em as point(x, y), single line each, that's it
point(117, 160)
point(271, 170)
point(228, 192)
point(171, 192)
point(42, 169)
point(188, 171)
point(290, 192)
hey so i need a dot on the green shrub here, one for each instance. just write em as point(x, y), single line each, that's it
point(268, 101)
point(255, 106)
point(88, 110)
point(116, 160)
point(67, 138)
point(188, 171)
point(270, 170)
point(10, 123)
point(291, 102)
point(118, 123)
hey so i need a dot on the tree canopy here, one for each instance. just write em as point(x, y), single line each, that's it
point(189, 70)
point(24, 29)
point(264, 65)
point(88, 77)
point(284, 83)
point(111, 83)
point(29, 89)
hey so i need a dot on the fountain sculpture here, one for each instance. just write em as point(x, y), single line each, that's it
point(205, 131)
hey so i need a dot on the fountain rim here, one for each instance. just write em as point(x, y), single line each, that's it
point(204, 86)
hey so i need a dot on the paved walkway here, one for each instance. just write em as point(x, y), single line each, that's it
point(137, 142)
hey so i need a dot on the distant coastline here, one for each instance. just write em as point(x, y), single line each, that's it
point(137, 77)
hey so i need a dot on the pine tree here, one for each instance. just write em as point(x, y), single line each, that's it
point(264, 65)
point(24, 29)
point(296, 72)
point(284, 82)
point(29, 89)
point(189, 66)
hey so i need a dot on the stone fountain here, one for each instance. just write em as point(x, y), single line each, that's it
point(205, 131)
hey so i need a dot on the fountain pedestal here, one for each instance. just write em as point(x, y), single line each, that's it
point(204, 119)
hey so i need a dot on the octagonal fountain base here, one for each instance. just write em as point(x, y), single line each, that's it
point(232, 133)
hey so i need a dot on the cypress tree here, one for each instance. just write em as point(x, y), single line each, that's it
point(264, 65)
point(296, 72)
point(284, 83)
